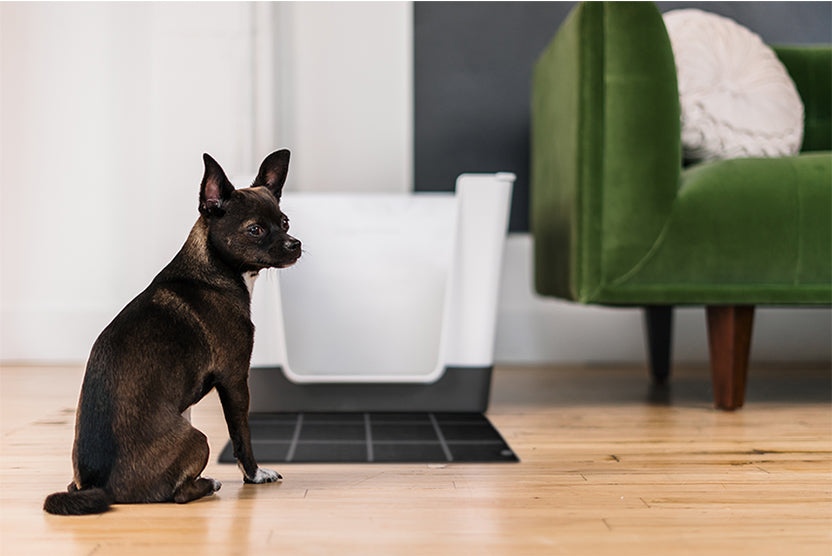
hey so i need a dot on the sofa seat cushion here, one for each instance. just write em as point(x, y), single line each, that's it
point(755, 231)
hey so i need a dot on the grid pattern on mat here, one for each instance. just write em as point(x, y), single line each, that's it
point(374, 437)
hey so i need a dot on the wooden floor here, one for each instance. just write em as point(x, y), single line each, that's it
point(608, 467)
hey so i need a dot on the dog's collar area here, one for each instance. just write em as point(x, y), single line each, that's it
point(249, 278)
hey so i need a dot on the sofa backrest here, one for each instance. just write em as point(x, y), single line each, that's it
point(811, 70)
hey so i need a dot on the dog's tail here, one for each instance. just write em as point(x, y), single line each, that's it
point(78, 502)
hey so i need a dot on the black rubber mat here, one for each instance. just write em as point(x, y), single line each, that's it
point(374, 437)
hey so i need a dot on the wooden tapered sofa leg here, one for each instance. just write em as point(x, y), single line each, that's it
point(729, 340)
point(658, 324)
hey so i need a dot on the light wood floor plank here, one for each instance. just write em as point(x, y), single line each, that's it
point(608, 467)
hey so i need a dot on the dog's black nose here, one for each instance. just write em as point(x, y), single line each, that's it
point(291, 245)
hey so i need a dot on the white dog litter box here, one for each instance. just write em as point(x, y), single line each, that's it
point(392, 306)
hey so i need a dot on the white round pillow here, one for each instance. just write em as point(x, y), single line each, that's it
point(737, 99)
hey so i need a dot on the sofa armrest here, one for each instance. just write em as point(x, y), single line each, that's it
point(606, 154)
point(811, 69)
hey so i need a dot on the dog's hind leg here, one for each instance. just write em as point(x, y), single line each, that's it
point(167, 469)
point(191, 462)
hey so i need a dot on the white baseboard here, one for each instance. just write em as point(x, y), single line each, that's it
point(50, 336)
point(530, 329)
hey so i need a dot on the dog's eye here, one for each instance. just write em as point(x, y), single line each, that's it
point(284, 224)
point(255, 230)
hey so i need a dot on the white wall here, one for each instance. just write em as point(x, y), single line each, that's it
point(105, 110)
point(348, 94)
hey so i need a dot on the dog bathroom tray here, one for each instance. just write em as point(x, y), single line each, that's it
point(392, 306)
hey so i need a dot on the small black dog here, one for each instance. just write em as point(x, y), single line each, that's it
point(188, 332)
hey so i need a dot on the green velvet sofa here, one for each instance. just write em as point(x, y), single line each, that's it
point(618, 221)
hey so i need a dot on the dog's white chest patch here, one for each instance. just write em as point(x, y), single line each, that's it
point(249, 278)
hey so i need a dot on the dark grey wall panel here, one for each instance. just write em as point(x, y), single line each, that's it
point(472, 70)
point(472, 74)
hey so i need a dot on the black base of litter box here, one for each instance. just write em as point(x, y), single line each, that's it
point(459, 389)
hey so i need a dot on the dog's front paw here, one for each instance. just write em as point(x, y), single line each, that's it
point(264, 475)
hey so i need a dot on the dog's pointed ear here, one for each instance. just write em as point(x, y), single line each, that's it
point(273, 171)
point(215, 189)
